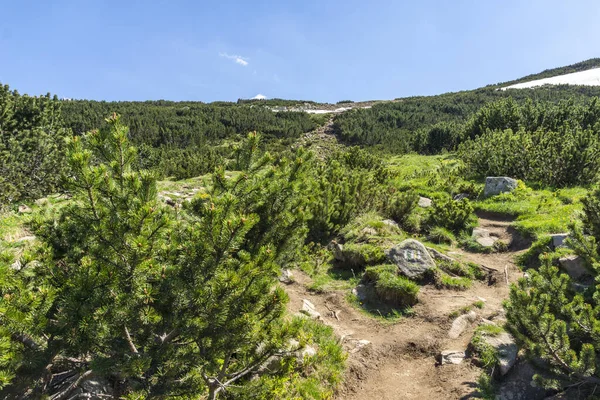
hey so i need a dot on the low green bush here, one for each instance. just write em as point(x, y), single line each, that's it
point(359, 255)
point(486, 353)
point(531, 258)
point(392, 288)
point(441, 235)
point(400, 206)
point(444, 281)
point(454, 215)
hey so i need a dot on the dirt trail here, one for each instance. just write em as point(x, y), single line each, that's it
point(322, 140)
point(400, 361)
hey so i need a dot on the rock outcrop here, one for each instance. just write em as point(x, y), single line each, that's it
point(412, 258)
point(495, 185)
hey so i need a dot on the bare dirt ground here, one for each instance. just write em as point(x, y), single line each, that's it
point(400, 362)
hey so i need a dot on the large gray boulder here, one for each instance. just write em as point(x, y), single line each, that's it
point(494, 185)
point(411, 257)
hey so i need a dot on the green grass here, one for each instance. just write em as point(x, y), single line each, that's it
point(445, 281)
point(184, 187)
point(464, 310)
point(391, 296)
point(371, 221)
point(390, 288)
point(11, 225)
point(537, 212)
point(359, 255)
point(380, 311)
point(486, 353)
point(441, 235)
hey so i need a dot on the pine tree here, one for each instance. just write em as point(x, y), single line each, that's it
point(553, 321)
point(159, 303)
point(31, 146)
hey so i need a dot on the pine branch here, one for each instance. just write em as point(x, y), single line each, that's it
point(129, 341)
point(65, 393)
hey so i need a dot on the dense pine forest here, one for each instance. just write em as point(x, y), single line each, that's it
point(148, 249)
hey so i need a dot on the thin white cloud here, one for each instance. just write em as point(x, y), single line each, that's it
point(243, 61)
point(259, 97)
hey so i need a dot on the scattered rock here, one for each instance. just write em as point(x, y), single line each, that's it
point(451, 357)
point(391, 222)
point(558, 240)
point(494, 185)
point(24, 209)
point(461, 323)
point(286, 277)
point(499, 317)
point(361, 292)
point(460, 196)
point(483, 237)
point(27, 238)
point(574, 266)
point(97, 386)
point(506, 350)
point(360, 344)
point(337, 250)
point(308, 309)
point(300, 352)
point(425, 202)
point(411, 257)
point(368, 232)
point(580, 287)
point(17, 266)
point(439, 256)
point(42, 202)
point(307, 351)
point(519, 385)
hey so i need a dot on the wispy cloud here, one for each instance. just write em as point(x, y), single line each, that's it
point(243, 61)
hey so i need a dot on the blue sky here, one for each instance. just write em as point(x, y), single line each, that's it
point(316, 50)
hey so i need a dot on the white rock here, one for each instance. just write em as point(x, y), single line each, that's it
point(425, 202)
point(461, 323)
point(24, 209)
point(360, 344)
point(483, 237)
point(360, 291)
point(308, 309)
point(286, 277)
point(452, 357)
point(391, 222)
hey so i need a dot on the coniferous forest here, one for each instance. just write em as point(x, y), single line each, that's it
point(153, 250)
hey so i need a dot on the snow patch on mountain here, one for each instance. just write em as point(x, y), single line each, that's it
point(591, 77)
